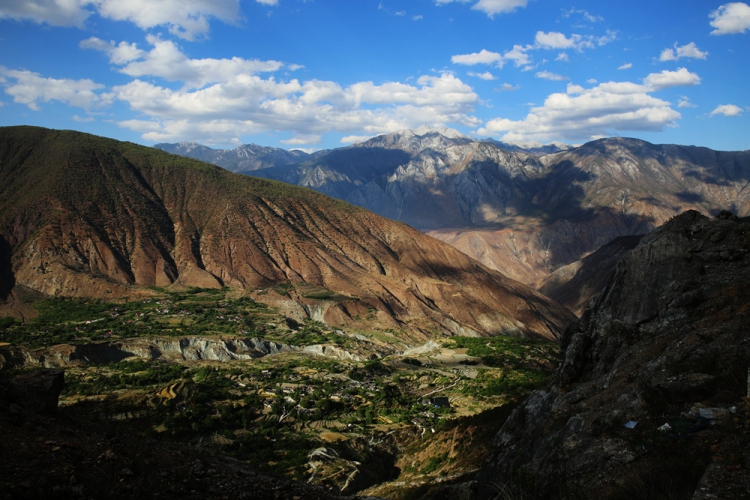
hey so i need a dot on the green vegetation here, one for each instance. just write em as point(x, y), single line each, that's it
point(192, 312)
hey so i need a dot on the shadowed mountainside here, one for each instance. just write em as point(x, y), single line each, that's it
point(661, 350)
point(88, 216)
point(576, 284)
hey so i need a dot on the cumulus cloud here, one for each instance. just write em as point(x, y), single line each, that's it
point(684, 102)
point(52, 12)
point(248, 104)
point(268, 2)
point(626, 66)
point(520, 56)
point(354, 139)
point(546, 75)
point(555, 40)
point(666, 79)
point(187, 19)
point(585, 113)
point(689, 50)
point(490, 7)
point(166, 61)
point(727, 110)
point(507, 87)
point(484, 56)
point(31, 88)
point(730, 18)
point(562, 56)
point(484, 76)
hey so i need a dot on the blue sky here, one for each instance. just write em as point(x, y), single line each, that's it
point(314, 74)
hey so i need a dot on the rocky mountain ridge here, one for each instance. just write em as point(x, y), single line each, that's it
point(517, 209)
point(87, 216)
point(650, 398)
point(247, 157)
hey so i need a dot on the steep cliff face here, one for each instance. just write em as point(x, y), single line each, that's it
point(87, 216)
point(665, 343)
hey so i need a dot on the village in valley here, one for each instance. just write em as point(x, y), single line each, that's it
point(296, 398)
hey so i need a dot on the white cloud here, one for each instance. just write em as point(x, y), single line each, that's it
point(585, 14)
point(354, 139)
point(730, 18)
point(187, 19)
point(268, 2)
point(626, 66)
point(81, 119)
point(248, 104)
point(685, 102)
point(610, 37)
point(507, 87)
point(52, 12)
point(555, 40)
point(482, 57)
point(666, 79)
point(562, 56)
point(417, 17)
point(546, 75)
point(484, 76)
point(490, 7)
point(727, 110)
point(30, 88)
point(519, 54)
point(306, 150)
point(166, 61)
point(581, 113)
point(689, 50)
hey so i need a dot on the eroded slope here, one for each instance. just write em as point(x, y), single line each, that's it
point(87, 216)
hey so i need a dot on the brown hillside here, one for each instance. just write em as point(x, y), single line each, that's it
point(86, 216)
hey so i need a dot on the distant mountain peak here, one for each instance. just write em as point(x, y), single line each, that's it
point(442, 130)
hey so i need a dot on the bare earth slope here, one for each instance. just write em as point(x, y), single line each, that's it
point(576, 284)
point(663, 350)
point(82, 215)
point(583, 198)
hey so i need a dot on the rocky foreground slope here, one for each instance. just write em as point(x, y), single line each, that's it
point(51, 454)
point(86, 216)
point(649, 400)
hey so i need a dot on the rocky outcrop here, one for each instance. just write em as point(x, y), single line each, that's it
point(94, 217)
point(178, 349)
point(646, 371)
point(38, 391)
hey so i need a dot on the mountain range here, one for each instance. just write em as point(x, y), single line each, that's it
point(524, 212)
point(82, 215)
